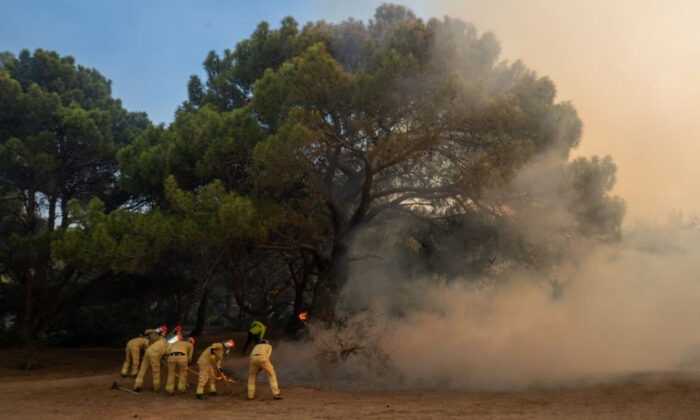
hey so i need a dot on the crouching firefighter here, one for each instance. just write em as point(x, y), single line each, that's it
point(133, 349)
point(260, 361)
point(209, 364)
point(179, 356)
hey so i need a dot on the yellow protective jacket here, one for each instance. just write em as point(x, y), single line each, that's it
point(158, 348)
point(212, 354)
point(138, 342)
point(258, 328)
point(182, 347)
point(261, 351)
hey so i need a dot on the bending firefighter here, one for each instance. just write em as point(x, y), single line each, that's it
point(179, 356)
point(209, 363)
point(260, 360)
point(135, 345)
point(256, 333)
point(154, 353)
point(133, 354)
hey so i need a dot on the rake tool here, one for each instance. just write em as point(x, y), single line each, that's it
point(121, 388)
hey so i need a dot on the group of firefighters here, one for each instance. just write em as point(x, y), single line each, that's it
point(176, 352)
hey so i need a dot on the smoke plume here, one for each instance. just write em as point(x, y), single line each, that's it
point(601, 309)
point(606, 310)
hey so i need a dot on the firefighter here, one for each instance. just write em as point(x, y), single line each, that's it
point(256, 332)
point(209, 363)
point(156, 334)
point(179, 356)
point(151, 359)
point(133, 353)
point(260, 360)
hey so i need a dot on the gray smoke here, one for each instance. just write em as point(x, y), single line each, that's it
point(608, 309)
point(600, 309)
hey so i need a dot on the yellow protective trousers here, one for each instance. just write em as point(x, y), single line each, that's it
point(257, 365)
point(149, 361)
point(133, 354)
point(177, 365)
point(206, 374)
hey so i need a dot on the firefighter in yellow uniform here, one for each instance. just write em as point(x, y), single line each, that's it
point(179, 356)
point(151, 359)
point(256, 332)
point(209, 363)
point(156, 334)
point(133, 354)
point(260, 361)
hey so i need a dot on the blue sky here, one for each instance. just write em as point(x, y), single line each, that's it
point(149, 48)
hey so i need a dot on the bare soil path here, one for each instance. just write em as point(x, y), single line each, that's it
point(75, 384)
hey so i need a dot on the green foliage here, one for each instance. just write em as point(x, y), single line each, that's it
point(143, 165)
point(60, 131)
point(399, 116)
point(298, 141)
point(213, 215)
point(200, 146)
point(120, 241)
point(231, 77)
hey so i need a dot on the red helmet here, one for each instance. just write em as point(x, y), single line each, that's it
point(191, 339)
point(178, 328)
point(229, 343)
point(164, 328)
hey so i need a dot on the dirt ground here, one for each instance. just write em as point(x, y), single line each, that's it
point(75, 384)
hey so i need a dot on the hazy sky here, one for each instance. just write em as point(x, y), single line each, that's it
point(630, 67)
point(632, 70)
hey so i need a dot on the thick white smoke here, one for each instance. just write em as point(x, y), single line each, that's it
point(605, 311)
point(627, 310)
point(608, 310)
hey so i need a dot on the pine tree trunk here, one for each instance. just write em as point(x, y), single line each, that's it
point(328, 287)
point(294, 322)
point(201, 312)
